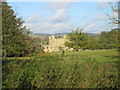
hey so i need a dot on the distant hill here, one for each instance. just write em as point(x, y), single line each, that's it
point(49, 34)
point(40, 34)
point(44, 37)
point(93, 33)
point(44, 34)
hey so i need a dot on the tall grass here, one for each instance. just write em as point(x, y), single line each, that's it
point(83, 69)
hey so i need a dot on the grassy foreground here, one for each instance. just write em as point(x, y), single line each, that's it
point(82, 69)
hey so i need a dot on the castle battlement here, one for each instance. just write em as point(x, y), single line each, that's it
point(55, 42)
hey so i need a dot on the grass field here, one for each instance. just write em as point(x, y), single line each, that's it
point(82, 69)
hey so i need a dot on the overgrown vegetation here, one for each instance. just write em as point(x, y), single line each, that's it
point(96, 67)
point(88, 69)
point(105, 40)
point(16, 42)
point(77, 40)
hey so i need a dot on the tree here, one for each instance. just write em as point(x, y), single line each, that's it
point(15, 36)
point(92, 43)
point(104, 40)
point(36, 45)
point(61, 48)
point(114, 38)
point(115, 33)
point(77, 39)
point(109, 40)
point(116, 10)
point(0, 28)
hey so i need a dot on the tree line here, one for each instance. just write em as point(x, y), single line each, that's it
point(105, 40)
point(15, 37)
point(17, 42)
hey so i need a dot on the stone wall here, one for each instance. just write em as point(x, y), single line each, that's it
point(55, 43)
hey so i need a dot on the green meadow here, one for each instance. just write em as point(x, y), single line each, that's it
point(79, 69)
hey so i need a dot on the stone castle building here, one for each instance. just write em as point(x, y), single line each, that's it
point(56, 43)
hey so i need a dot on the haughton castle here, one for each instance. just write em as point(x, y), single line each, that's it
point(56, 43)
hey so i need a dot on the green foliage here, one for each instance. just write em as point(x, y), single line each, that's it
point(92, 43)
point(16, 41)
point(109, 39)
point(115, 33)
point(77, 39)
point(12, 31)
point(88, 69)
point(116, 9)
point(61, 49)
point(106, 40)
point(35, 44)
point(24, 72)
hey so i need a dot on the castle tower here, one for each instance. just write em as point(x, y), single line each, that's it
point(65, 36)
point(52, 36)
point(55, 43)
point(49, 37)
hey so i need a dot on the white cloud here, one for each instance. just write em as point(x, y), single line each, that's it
point(102, 5)
point(61, 27)
point(90, 26)
point(97, 28)
point(54, 24)
point(27, 24)
point(58, 5)
point(44, 27)
point(48, 27)
point(59, 22)
point(113, 15)
point(96, 23)
point(100, 16)
point(60, 16)
point(34, 18)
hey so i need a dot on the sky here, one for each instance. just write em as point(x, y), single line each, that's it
point(63, 17)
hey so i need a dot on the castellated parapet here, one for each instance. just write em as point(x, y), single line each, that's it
point(55, 43)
